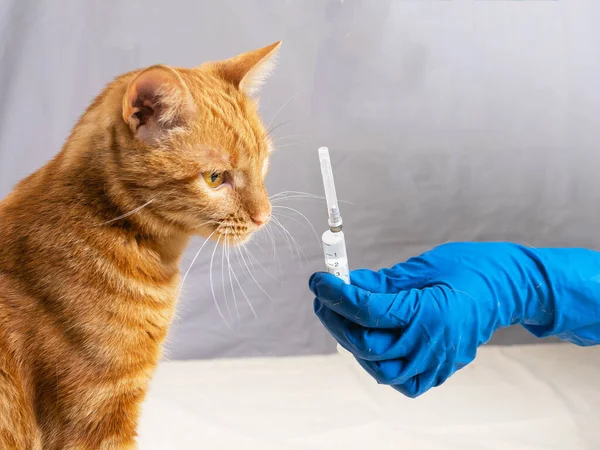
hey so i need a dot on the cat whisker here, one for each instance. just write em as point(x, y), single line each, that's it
point(269, 233)
point(290, 136)
point(223, 247)
point(285, 195)
point(296, 197)
point(291, 144)
point(130, 213)
point(251, 257)
point(269, 229)
point(230, 270)
point(294, 192)
point(266, 231)
point(254, 241)
point(212, 286)
point(244, 268)
point(278, 229)
point(239, 253)
point(276, 126)
point(298, 248)
point(192, 263)
point(281, 108)
point(284, 215)
point(274, 244)
point(214, 222)
point(288, 208)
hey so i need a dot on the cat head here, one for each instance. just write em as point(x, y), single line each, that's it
point(198, 149)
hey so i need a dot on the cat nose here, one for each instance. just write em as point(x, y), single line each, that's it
point(261, 217)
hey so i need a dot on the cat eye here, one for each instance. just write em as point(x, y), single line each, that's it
point(214, 179)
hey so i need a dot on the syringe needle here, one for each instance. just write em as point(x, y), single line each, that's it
point(333, 210)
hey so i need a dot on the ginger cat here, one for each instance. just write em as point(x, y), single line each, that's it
point(90, 245)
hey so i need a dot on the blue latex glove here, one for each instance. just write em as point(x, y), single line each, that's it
point(415, 324)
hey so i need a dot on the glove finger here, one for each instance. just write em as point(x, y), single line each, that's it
point(335, 324)
point(429, 379)
point(454, 361)
point(403, 276)
point(419, 384)
point(393, 372)
point(371, 310)
point(364, 343)
point(427, 358)
point(383, 371)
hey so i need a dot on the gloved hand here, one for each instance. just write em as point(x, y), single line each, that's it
point(415, 324)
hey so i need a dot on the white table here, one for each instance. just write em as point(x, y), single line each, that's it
point(517, 398)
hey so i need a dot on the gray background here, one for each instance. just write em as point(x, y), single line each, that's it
point(447, 120)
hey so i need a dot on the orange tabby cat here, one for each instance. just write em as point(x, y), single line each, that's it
point(90, 245)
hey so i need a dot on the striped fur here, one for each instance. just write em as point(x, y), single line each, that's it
point(86, 300)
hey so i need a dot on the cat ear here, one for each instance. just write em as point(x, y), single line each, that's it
point(248, 71)
point(157, 100)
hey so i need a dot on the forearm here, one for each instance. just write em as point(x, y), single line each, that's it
point(564, 299)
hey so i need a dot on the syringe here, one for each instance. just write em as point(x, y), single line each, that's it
point(334, 244)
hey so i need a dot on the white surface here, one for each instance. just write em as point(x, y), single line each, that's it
point(518, 398)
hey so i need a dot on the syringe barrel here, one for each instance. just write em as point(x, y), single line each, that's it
point(336, 260)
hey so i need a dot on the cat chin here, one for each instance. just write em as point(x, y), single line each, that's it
point(236, 240)
point(226, 238)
